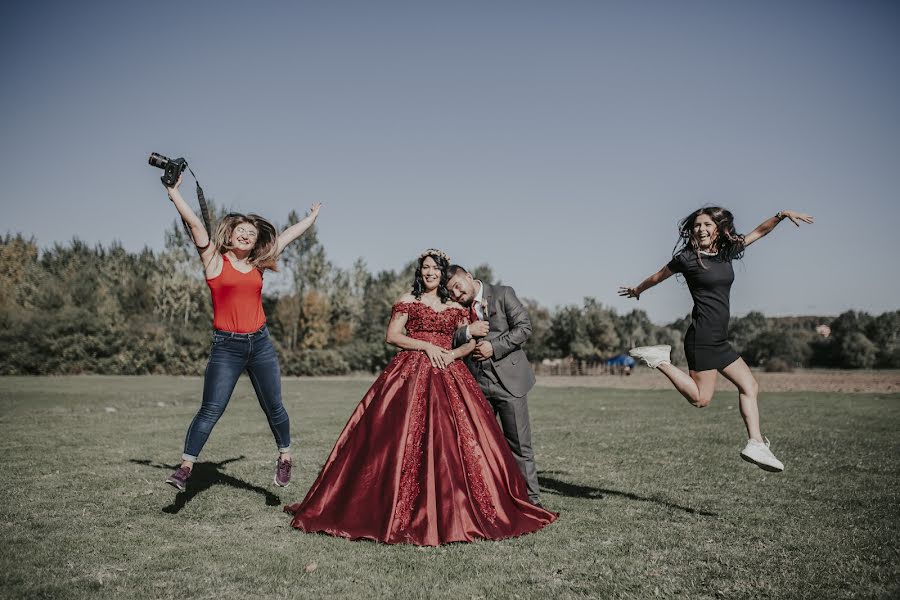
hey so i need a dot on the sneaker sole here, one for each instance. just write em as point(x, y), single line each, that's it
point(175, 485)
point(641, 357)
point(664, 347)
point(762, 466)
point(275, 481)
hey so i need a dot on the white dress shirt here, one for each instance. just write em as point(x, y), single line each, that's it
point(476, 304)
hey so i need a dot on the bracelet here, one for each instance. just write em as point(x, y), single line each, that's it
point(779, 215)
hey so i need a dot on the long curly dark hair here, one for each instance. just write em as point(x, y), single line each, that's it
point(418, 287)
point(728, 242)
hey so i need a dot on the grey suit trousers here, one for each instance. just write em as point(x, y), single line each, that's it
point(516, 425)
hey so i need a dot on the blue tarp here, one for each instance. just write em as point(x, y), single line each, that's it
point(621, 360)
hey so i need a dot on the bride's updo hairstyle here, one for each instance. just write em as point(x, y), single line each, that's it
point(443, 261)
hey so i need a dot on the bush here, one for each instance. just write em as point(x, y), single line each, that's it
point(370, 357)
point(889, 358)
point(778, 365)
point(856, 351)
point(789, 347)
point(313, 362)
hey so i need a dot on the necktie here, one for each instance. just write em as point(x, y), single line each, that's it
point(473, 314)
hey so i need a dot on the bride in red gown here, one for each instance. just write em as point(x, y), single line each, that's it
point(422, 459)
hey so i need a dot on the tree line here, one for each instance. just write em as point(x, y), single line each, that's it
point(76, 308)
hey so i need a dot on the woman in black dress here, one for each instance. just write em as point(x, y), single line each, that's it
point(708, 243)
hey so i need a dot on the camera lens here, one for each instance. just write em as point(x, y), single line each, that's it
point(158, 160)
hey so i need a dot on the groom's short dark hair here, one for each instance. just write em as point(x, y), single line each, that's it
point(452, 271)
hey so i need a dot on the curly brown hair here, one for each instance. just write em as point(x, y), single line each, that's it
point(418, 287)
point(728, 242)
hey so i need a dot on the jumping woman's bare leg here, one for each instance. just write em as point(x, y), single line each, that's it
point(739, 374)
point(756, 451)
point(697, 388)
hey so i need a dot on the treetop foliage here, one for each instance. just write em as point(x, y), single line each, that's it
point(76, 308)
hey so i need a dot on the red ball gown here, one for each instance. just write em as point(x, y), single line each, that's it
point(422, 459)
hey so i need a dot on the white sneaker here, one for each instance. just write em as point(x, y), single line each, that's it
point(759, 454)
point(653, 356)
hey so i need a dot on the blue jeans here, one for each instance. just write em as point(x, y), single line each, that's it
point(232, 354)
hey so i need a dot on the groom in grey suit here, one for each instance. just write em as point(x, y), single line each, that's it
point(499, 322)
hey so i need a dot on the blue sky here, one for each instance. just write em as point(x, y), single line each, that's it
point(558, 141)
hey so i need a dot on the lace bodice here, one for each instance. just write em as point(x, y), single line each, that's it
point(425, 323)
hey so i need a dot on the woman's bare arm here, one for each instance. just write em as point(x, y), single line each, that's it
point(635, 292)
point(769, 224)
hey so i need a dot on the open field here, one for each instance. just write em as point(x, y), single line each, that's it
point(653, 497)
point(801, 380)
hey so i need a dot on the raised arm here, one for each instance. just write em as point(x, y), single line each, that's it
point(635, 292)
point(194, 223)
point(297, 229)
point(769, 224)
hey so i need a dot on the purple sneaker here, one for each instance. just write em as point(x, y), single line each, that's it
point(283, 472)
point(179, 478)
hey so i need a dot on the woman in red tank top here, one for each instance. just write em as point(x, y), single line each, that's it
point(234, 261)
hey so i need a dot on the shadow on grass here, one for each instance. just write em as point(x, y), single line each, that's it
point(573, 490)
point(204, 475)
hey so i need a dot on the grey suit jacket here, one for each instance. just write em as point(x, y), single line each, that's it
point(510, 327)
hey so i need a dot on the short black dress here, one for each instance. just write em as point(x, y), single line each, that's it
point(709, 277)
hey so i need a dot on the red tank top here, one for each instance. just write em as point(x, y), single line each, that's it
point(237, 299)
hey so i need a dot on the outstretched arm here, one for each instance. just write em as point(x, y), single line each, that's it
point(198, 230)
point(194, 223)
point(297, 229)
point(635, 292)
point(769, 224)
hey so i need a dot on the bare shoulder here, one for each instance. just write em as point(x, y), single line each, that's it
point(406, 298)
point(452, 304)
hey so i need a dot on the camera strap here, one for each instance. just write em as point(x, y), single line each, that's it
point(204, 211)
point(204, 208)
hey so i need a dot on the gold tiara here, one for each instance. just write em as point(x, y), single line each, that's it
point(434, 252)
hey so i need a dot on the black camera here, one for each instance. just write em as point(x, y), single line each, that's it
point(172, 167)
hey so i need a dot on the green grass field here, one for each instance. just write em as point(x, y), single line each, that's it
point(654, 500)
